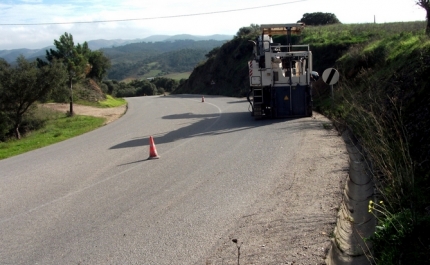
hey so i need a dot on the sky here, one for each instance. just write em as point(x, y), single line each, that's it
point(136, 19)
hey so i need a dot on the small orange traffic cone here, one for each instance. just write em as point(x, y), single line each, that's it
point(152, 150)
point(203, 99)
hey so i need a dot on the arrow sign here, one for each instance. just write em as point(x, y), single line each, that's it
point(330, 76)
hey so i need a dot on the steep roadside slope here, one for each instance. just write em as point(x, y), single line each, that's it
point(225, 72)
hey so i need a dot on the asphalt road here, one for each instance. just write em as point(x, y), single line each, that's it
point(96, 199)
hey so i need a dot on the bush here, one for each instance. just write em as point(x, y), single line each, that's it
point(167, 84)
point(399, 237)
point(126, 92)
point(5, 126)
point(319, 18)
point(31, 123)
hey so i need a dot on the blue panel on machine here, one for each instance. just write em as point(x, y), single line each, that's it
point(298, 94)
point(282, 101)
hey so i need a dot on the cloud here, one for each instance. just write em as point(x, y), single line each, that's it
point(61, 11)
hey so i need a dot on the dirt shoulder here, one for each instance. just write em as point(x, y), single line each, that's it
point(110, 114)
point(295, 222)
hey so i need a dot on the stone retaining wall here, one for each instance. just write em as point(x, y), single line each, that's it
point(354, 222)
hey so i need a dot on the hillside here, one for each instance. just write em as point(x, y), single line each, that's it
point(139, 59)
point(31, 54)
point(225, 71)
point(383, 97)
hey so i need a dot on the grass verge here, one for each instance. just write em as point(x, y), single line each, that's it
point(109, 102)
point(58, 128)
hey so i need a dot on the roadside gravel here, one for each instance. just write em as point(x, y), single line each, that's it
point(295, 222)
point(110, 114)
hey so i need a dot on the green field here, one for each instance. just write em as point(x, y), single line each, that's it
point(57, 129)
point(178, 76)
point(152, 73)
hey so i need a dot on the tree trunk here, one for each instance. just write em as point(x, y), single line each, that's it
point(426, 5)
point(71, 99)
point(428, 22)
point(71, 106)
point(17, 133)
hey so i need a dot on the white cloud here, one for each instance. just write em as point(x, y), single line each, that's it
point(58, 11)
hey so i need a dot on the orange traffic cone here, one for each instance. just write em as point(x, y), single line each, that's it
point(203, 99)
point(152, 150)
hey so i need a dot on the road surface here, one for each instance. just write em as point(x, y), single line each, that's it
point(96, 199)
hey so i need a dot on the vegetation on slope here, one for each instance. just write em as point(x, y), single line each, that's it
point(225, 72)
point(142, 87)
point(69, 73)
point(55, 127)
point(383, 98)
point(136, 60)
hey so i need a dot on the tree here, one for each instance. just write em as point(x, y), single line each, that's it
point(213, 52)
point(111, 86)
point(5, 122)
point(167, 84)
point(73, 58)
point(144, 87)
point(245, 31)
point(426, 5)
point(79, 60)
point(99, 65)
point(24, 85)
point(319, 18)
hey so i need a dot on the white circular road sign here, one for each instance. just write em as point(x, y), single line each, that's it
point(330, 76)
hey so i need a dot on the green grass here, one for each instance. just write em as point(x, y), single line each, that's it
point(358, 33)
point(178, 76)
point(58, 128)
point(110, 102)
point(152, 64)
point(152, 73)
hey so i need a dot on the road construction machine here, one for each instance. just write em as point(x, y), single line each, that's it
point(280, 75)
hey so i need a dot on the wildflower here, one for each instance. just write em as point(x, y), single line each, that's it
point(371, 207)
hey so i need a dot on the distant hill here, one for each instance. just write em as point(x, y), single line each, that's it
point(197, 38)
point(11, 55)
point(102, 43)
point(151, 59)
point(31, 54)
point(157, 38)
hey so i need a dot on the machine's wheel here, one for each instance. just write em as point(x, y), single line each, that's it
point(309, 112)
